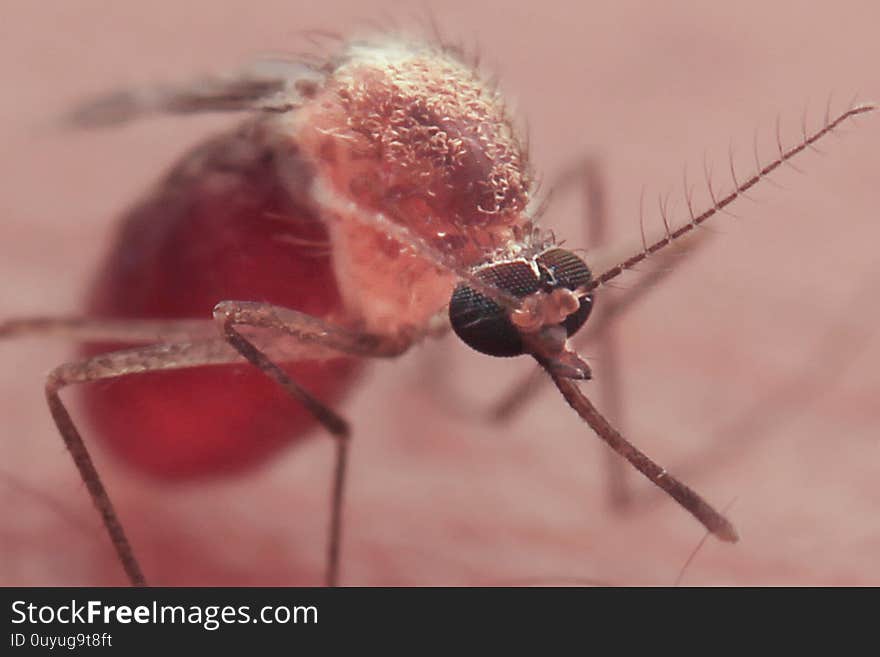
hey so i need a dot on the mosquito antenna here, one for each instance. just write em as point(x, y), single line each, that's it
point(757, 157)
point(720, 204)
point(688, 198)
point(711, 519)
point(707, 175)
point(779, 147)
point(732, 168)
point(642, 218)
point(804, 128)
point(661, 205)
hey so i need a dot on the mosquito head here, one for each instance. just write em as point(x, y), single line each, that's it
point(554, 306)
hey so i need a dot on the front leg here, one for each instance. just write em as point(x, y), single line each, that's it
point(280, 335)
point(230, 314)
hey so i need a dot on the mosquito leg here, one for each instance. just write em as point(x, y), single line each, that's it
point(123, 331)
point(108, 366)
point(308, 339)
point(89, 474)
point(338, 428)
point(230, 314)
point(104, 367)
point(309, 330)
point(170, 334)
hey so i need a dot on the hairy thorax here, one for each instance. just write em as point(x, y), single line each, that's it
point(411, 132)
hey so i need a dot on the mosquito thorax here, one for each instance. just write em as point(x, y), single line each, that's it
point(411, 130)
point(552, 307)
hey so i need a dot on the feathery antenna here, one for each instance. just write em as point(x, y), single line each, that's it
point(719, 204)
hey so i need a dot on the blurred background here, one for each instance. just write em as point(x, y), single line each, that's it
point(751, 371)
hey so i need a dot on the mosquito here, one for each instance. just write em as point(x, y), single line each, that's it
point(370, 199)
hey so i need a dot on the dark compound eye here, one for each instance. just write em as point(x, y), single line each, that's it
point(485, 326)
point(480, 322)
point(566, 268)
point(570, 272)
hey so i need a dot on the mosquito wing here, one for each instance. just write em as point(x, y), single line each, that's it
point(269, 86)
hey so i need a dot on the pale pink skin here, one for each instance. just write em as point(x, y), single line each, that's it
point(436, 498)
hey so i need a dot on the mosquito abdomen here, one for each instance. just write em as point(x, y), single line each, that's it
point(218, 227)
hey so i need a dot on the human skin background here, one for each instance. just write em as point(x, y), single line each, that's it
point(436, 497)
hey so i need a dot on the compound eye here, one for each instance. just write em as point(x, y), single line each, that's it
point(480, 322)
point(567, 270)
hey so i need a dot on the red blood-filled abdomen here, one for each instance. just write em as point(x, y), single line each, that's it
point(219, 227)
